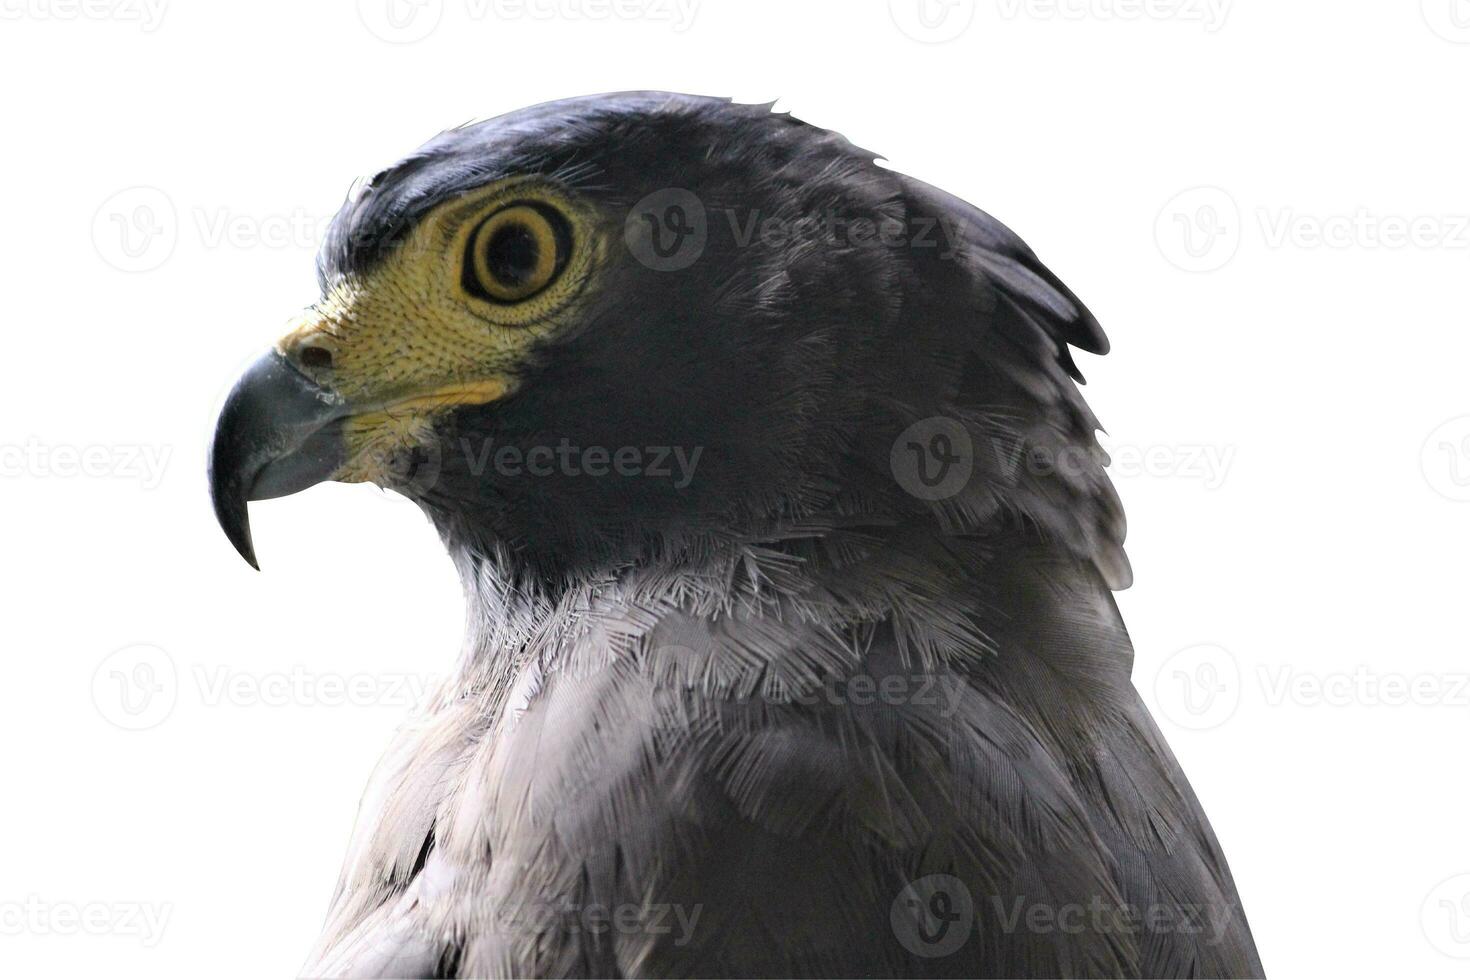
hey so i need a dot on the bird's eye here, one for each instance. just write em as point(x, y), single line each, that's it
point(516, 252)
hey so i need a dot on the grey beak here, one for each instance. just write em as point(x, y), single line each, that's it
point(279, 432)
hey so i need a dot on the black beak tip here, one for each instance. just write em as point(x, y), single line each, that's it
point(241, 540)
point(232, 512)
point(248, 553)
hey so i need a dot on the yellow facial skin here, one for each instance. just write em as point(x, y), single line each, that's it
point(408, 342)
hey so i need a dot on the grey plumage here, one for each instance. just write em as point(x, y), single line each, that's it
point(654, 706)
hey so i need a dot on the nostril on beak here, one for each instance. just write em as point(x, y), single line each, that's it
point(315, 357)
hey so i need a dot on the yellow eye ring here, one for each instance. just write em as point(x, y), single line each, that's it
point(516, 252)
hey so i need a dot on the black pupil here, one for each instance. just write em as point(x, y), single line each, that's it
point(512, 254)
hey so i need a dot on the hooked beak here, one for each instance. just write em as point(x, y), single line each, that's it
point(279, 432)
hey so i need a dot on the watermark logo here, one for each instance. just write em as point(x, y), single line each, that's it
point(139, 228)
point(1445, 459)
point(1198, 688)
point(1445, 917)
point(400, 21)
point(136, 687)
point(1450, 19)
point(933, 916)
point(933, 458)
point(1199, 230)
point(932, 21)
point(136, 229)
point(1203, 686)
point(670, 229)
point(413, 462)
point(667, 230)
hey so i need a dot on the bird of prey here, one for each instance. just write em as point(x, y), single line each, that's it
point(788, 553)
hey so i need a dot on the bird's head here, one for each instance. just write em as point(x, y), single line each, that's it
point(607, 325)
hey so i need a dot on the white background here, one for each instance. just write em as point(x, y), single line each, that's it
point(1287, 396)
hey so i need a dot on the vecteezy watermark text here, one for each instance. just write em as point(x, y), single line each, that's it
point(600, 918)
point(1209, 13)
point(407, 21)
point(862, 690)
point(36, 916)
point(41, 460)
point(1098, 916)
point(670, 229)
point(1200, 687)
point(1202, 229)
point(674, 463)
point(139, 686)
point(147, 14)
point(223, 685)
